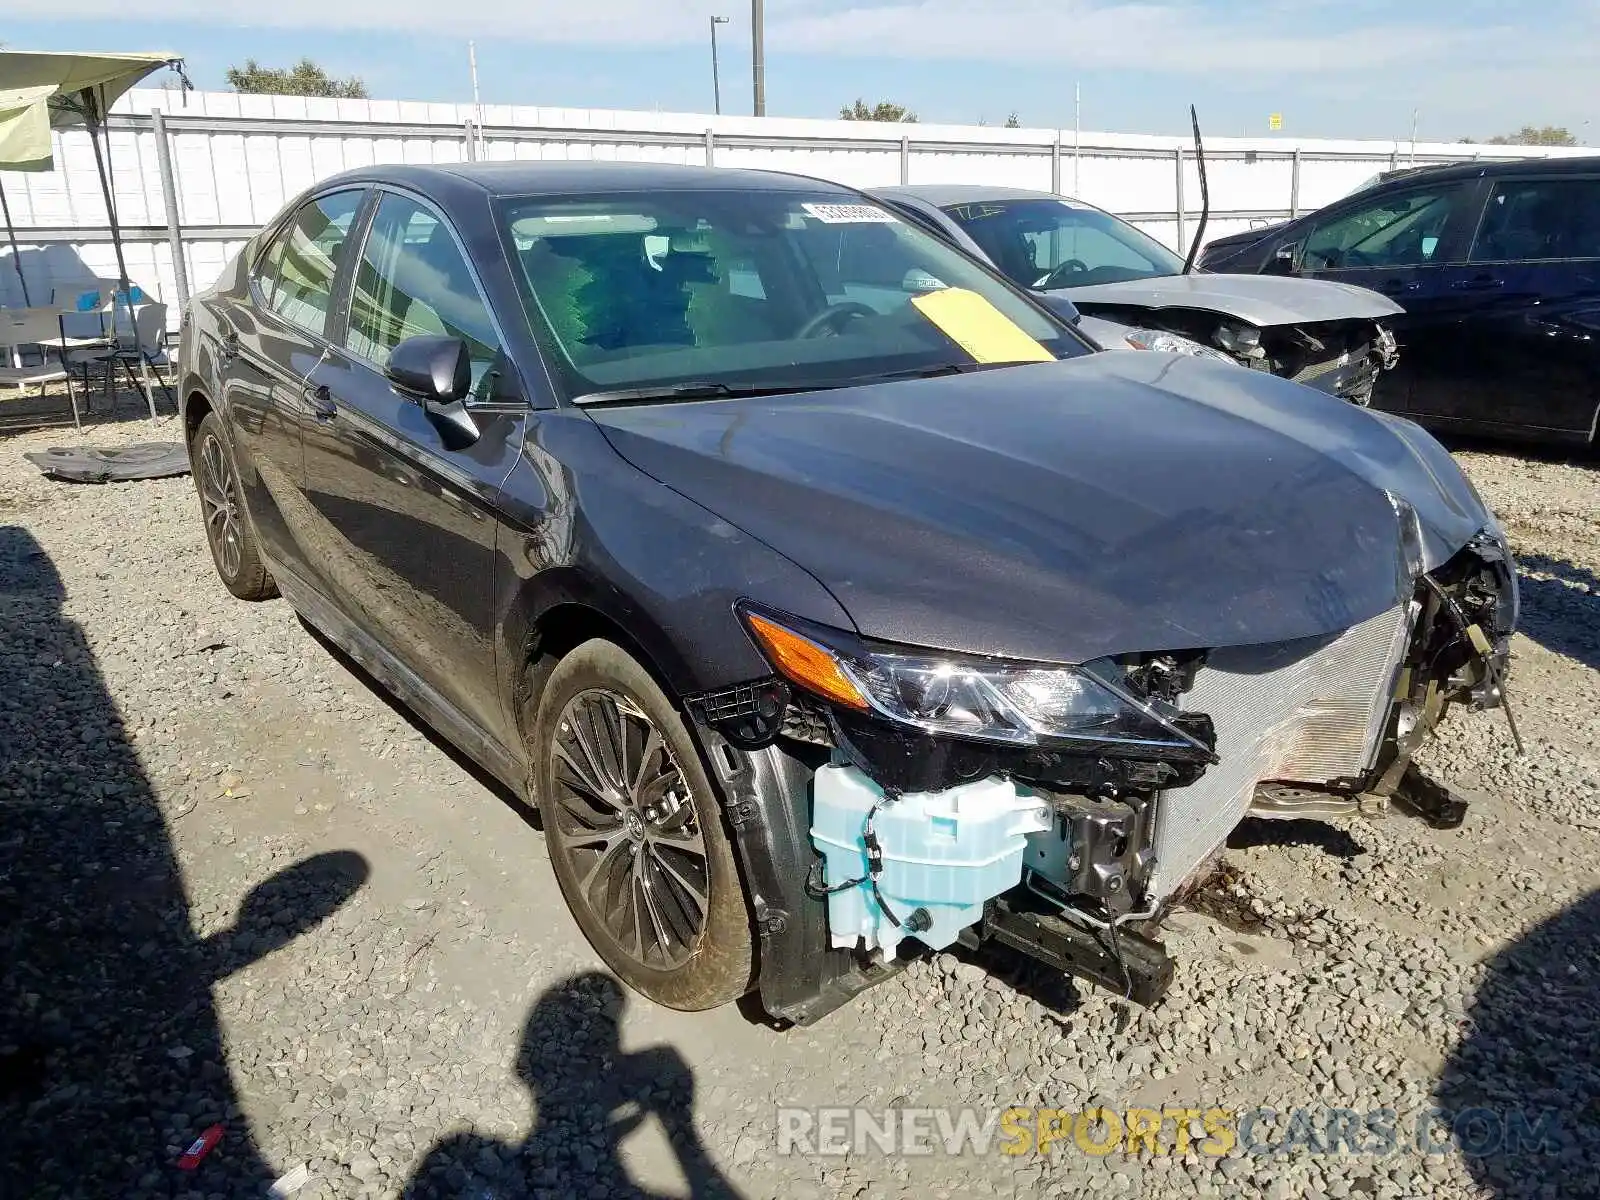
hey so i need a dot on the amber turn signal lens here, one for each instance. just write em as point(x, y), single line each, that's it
point(805, 662)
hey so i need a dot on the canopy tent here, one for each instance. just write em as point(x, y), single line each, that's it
point(41, 91)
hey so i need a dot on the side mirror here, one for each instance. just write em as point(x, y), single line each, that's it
point(1283, 259)
point(1060, 305)
point(436, 370)
point(437, 373)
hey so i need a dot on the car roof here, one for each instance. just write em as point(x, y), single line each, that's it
point(577, 178)
point(1479, 168)
point(941, 195)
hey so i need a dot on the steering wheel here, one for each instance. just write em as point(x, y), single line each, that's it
point(1070, 266)
point(829, 319)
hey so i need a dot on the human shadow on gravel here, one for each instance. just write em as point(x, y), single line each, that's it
point(111, 1057)
point(1522, 1090)
point(589, 1096)
point(1561, 613)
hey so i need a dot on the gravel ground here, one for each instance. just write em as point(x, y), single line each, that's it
point(239, 888)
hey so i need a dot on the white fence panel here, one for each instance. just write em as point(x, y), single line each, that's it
point(237, 159)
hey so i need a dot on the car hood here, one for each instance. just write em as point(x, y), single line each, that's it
point(1262, 300)
point(1064, 511)
point(1111, 335)
point(1244, 238)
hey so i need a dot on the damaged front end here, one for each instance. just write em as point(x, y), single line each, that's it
point(1061, 810)
point(1341, 357)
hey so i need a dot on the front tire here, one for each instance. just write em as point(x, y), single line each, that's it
point(229, 533)
point(635, 833)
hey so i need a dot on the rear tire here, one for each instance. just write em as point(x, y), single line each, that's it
point(635, 832)
point(229, 532)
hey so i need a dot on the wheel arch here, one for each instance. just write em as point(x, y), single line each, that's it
point(562, 609)
point(196, 405)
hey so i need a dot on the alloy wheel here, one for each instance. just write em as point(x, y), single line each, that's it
point(219, 497)
point(626, 822)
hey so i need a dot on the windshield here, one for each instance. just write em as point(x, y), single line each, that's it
point(753, 289)
point(1043, 243)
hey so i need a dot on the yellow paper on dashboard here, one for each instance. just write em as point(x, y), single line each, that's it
point(979, 328)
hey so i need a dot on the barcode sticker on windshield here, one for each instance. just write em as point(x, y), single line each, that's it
point(850, 214)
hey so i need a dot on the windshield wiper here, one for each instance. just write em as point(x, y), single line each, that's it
point(955, 368)
point(711, 390)
point(699, 390)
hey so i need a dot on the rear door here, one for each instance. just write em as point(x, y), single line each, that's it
point(1409, 245)
point(1527, 362)
point(409, 520)
point(273, 341)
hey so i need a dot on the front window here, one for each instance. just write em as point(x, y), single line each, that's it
point(413, 280)
point(1398, 231)
point(1048, 244)
point(753, 288)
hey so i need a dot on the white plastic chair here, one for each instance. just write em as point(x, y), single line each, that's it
point(145, 345)
point(22, 327)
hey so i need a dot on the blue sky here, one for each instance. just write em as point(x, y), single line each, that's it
point(1332, 67)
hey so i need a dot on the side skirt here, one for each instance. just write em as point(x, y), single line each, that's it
point(412, 690)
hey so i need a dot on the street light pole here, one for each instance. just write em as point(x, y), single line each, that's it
point(716, 74)
point(758, 55)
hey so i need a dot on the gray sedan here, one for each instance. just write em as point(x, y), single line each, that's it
point(1132, 291)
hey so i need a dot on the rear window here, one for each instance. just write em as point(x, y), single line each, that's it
point(1530, 219)
point(296, 274)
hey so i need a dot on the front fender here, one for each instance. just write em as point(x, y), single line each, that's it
point(582, 526)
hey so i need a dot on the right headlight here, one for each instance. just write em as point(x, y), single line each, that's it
point(990, 700)
point(1171, 343)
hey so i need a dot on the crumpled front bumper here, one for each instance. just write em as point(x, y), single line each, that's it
point(1049, 867)
point(1350, 374)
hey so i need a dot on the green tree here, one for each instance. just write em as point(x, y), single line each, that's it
point(1532, 135)
point(883, 111)
point(306, 78)
point(1013, 121)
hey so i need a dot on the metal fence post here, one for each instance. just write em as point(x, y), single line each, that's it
point(905, 161)
point(1055, 165)
point(1294, 185)
point(472, 141)
point(711, 147)
point(169, 200)
point(1182, 239)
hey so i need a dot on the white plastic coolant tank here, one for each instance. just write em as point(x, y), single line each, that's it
point(946, 852)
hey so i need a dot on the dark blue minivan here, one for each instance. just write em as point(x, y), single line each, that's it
point(1498, 268)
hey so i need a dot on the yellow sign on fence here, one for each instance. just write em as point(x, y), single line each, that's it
point(1275, 122)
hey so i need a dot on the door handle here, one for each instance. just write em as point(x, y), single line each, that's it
point(320, 400)
point(1394, 287)
point(1481, 283)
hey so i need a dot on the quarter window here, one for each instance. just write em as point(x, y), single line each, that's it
point(413, 280)
point(1397, 231)
point(1540, 219)
point(296, 275)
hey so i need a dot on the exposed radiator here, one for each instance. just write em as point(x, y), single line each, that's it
point(1307, 711)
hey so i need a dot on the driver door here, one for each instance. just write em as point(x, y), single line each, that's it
point(1412, 247)
point(408, 520)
